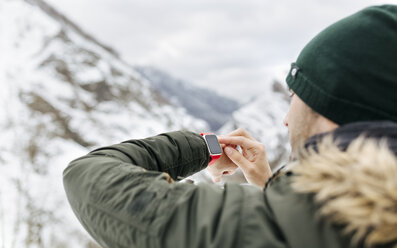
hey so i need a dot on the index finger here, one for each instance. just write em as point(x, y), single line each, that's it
point(241, 132)
point(238, 140)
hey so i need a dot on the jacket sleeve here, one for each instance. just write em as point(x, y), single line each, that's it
point(123, 196)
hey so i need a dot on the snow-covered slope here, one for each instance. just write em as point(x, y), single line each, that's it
point(62, 93)
point(263, 119)
point(201, 103)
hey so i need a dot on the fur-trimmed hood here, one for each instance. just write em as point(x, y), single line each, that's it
point(355, 187)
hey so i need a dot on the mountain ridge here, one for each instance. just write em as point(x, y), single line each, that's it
point(51, 11)
point(201, 103)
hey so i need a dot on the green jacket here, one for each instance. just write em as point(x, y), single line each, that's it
point(124, 197)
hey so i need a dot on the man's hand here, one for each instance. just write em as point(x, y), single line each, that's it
point(252, 161)
point(222, 166)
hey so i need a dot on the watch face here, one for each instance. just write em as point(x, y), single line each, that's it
point(213, 144)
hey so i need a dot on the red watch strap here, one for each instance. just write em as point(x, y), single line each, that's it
point(213, 159)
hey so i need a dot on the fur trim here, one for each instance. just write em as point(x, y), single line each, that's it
point(356, 188)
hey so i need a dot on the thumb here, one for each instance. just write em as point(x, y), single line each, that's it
point(237, 158)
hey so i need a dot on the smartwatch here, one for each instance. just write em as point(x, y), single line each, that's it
point(213, 145)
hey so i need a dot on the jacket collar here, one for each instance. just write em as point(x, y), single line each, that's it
point(344, 135)
point(352, 175)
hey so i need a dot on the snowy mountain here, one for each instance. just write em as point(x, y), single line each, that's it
point(263, 119)
point(62, 93)
point(201, 103)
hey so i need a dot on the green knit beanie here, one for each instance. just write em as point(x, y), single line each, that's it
point(348, 72)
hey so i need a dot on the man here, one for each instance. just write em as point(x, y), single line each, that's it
point(339, 190)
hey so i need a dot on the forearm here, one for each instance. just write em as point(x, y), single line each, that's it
point(126, 184)
point(180, 153)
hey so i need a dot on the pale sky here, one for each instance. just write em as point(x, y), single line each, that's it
point(231, 46)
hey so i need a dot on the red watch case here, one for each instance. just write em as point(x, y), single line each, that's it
point(213, 146)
